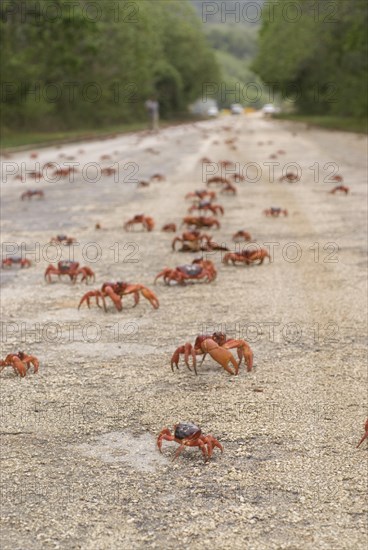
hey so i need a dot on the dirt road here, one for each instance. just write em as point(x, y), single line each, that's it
point(79, 464)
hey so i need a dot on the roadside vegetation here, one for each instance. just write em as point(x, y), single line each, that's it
point(320, 60)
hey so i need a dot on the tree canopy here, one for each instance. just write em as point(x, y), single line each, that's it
point(74, 63)
point(317, 53)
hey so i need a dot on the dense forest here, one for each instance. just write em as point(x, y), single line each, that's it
point(316, 54)
point(72, 64)
point(79, 64)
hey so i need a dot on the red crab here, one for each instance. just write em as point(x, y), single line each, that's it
point(194, 241)
point(217, 180)
point(275, 212)
point(109, 171)
point(337, 178)
point(65, 172)
point(63, 239)
point(158, 177)
point(12, 360)
point(241, 235)
point(143, 183)
point(146, 222)
point(198, 269)
point(229, 189)
point(340, 188)
point(35, 175)
point(237, 177)
point(226, 163)
point(71, 269)
point(32, 193)
point(188, 237)
point(22, 262)
point(200, 221)
point(205, 160)
point(20, 362)
point(365, 435)
point(201, 194)
point(218, 347)
point(189, 435)
point(290, 177)
point(207, 206)
point(116, 291)
point(29, 360)
point(169, 228)
point(246, 257)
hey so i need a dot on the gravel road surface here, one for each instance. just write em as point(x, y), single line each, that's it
point(80, 469)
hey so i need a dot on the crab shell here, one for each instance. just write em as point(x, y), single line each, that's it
point(67, 265)
point(187, 430)
point(190, 269)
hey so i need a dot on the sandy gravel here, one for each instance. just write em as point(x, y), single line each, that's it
point(79, 463)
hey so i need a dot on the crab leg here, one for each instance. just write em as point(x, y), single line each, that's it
point(365, 435)
point(187, 350)
point(165, 435)
point(211, 444)
point(243, 350)
point(97, 294)
point(197, 443)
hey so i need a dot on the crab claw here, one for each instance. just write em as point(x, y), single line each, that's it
point(220, 355)
point(150, 296)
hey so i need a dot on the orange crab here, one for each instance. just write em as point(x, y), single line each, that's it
point(116, 291)
point(290, 177)
point(20, 362)
point(206, 206)
point(201, 194)
point(169, 228)
point(188, 434)
point(218, 347)
point(201, 221)
point(341, 189)
point(146, 222)
point(229, 189)
point(218, 180)
point(246, 257)
point(237, 177)
point(158, 177)
point(16, 260)
point(190, 240)
point(241, 235)
point(197, 270)
point(32, 193)
point(63, 239)
point(71, 269)
point(275, 212)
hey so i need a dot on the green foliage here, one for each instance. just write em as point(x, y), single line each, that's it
point(322, 55)
point(239, 42)
point(234, 40)
point(66, 65)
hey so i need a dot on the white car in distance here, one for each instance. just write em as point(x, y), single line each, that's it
point(236, 109)
point(269, 109)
